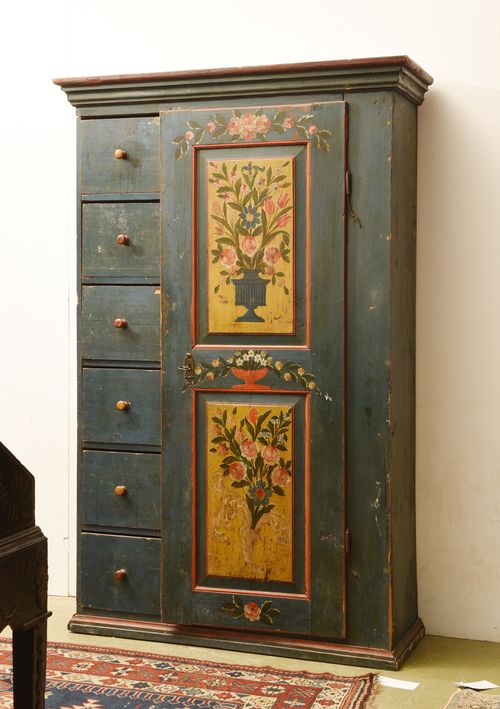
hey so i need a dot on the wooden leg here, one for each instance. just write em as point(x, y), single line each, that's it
point(29, 654)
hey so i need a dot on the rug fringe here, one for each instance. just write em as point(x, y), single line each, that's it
point(371, 701)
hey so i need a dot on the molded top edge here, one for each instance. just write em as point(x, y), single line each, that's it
point(342, 64)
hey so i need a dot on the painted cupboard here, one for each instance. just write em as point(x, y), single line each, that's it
point(247, 344)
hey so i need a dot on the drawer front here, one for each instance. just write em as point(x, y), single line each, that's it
point(138, 591)
point(105, 251)
point(138, 423)
point(102, 172)
point(121, 323)
point(121, 490)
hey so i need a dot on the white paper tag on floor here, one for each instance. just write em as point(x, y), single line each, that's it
point(397, 683)
point(482, 684)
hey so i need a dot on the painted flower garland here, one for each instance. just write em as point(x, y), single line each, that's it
point(252, 126)
point(251, 359)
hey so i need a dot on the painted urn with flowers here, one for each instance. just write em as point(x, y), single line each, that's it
point(250, 367)
point(252, 222)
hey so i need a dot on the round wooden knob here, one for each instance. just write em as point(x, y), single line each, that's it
point(122, 239)
point(120, 154)
point(120, 574)
point(122, 405)
point(120, 322)
point(120, 490)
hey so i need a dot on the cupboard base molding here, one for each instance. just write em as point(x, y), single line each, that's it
point(298, 648)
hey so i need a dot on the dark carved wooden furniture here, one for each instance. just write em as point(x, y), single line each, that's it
point(23, 581)
point(247, 342)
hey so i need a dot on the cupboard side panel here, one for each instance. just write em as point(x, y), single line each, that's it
point(368, 352)
point(402, 413)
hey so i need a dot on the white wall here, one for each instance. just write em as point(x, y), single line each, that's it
point(458, 451)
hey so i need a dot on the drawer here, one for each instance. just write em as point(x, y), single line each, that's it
point(121, 323)
point(138, 591)
point(138, 255)
point(138, 423)
point(101, 172)
point(121, 490)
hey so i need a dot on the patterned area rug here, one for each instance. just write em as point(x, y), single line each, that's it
point(469, 699)
point(80, 677)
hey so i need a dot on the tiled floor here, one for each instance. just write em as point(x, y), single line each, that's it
point(436, 663)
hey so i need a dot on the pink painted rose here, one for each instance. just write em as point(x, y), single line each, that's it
point(262, 123)
point(211, 126)
point(251, 611)
point(219, 230)
point(248, 121)
point(269, 206)
point(244, 189)
point(237, 470)
point(313, 130)
point(189, 135)
point(249, 245)
point(283, 199)
point(284, 219)
point(270, 454)
point(222, 449)
point(228, 256)
point(280, 476)
point(273, 254)
point(249, 449)
point(288, 123)
point(234, 126)
point(253, 414)
point(248, 134)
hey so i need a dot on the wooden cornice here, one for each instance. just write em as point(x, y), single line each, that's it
point(399, 73)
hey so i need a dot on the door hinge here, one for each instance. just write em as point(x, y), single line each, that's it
point(349, 209)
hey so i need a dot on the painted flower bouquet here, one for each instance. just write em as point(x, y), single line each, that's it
point(252, 218)
point(256, 458)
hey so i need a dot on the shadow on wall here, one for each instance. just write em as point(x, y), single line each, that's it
point(458, 349)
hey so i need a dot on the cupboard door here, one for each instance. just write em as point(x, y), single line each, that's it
point(253, 309)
